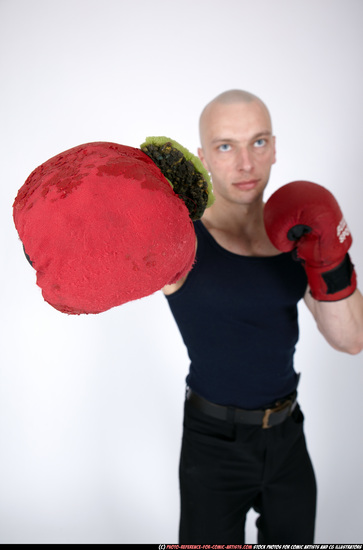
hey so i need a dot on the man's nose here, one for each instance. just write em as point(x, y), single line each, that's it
point(244, 160)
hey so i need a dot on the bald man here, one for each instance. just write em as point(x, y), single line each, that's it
point(243, 440)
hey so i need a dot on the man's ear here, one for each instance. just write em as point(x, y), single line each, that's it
point(202, 158)
point(274, 142)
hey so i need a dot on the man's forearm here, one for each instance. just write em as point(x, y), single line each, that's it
point(340, 322)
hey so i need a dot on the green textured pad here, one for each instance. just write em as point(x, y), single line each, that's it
point(185, 172)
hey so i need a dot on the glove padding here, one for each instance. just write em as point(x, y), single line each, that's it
point(102, 226)
point(304, 217)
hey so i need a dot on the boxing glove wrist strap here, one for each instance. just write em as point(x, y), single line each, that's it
point(332, 285)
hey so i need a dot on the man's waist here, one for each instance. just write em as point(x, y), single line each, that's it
point(265, 417)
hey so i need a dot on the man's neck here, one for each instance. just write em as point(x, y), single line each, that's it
point(234, 217)
point(239, 228)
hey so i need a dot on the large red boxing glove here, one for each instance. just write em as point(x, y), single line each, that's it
point(305, 217)
point(102, 225)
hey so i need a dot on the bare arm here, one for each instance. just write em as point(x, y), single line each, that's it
point(341, 322)
point(170, 289)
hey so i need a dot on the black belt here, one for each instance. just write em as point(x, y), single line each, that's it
point(266, 418)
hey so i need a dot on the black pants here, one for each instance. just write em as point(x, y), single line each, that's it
point(226, 469)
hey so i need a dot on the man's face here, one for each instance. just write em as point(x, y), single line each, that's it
point(238, 149)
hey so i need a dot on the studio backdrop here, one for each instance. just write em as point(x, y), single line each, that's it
point(91, 405)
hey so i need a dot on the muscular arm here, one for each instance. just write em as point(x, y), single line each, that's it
point(305, 217)
point(341, 322)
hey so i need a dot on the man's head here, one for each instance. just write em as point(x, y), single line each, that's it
point(237, 145)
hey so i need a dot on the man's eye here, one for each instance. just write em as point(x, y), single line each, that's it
point(224, 147)
point(260, 143)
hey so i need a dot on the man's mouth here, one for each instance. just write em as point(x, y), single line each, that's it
point(246, 185)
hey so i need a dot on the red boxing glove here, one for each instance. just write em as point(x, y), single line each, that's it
point(305, 217)
point(102, 225)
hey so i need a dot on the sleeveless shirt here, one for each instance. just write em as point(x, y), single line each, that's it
point(238, 318)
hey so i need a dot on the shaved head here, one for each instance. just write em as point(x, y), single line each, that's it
point(229, 97)
point(235, 96)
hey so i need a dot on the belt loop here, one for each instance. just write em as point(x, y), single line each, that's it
point(187, 392)
point(231, 414)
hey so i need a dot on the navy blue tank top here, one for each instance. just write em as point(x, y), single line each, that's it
point(239, 321)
